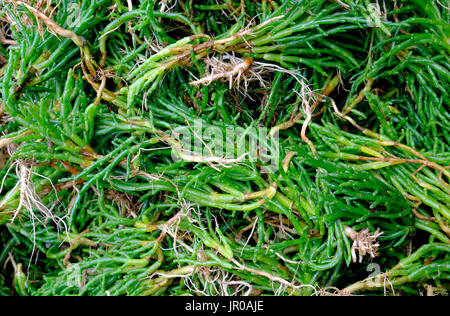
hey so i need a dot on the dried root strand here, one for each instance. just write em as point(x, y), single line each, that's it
point(345, 6)
point(364, 242)
point(187, 155)
point(285, 284)
point(6, 141)
point(221, 70)
point(29, 199)
point(4, 39)
point(51, 25)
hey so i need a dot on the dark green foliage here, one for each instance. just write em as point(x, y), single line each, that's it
point(93, 113)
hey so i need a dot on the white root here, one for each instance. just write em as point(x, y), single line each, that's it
point(212, 160)
point(364, 242)
point(29, 199)
point(221, 70)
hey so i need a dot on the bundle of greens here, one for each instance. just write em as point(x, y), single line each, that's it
point(224, 147)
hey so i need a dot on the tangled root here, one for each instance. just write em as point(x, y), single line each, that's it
point(218, 69)
point(364, 242)
point(44, 7)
